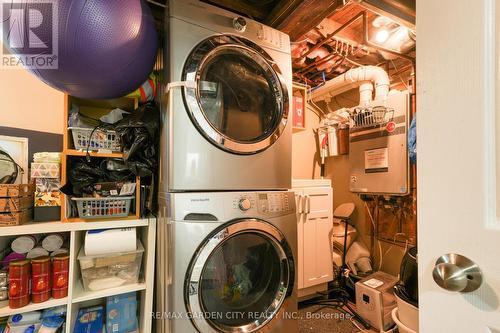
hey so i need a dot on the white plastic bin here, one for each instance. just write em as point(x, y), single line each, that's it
point(407, 313)
point(402, 328)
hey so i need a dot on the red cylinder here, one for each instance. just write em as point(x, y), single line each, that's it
point(60, 273)
point(40, 279)
point(19, 283)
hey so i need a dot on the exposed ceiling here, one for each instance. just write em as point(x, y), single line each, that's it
point(322, 48)
point(330, 37)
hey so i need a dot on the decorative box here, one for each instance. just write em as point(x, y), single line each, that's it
point(45, 170)
point(52, 198)
point(47, 184)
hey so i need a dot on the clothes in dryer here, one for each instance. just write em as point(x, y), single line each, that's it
point(229, 265)
point(226, 125)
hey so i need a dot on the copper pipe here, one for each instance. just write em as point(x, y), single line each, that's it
point(344, 50)
point(315, 64)
point(330, 36)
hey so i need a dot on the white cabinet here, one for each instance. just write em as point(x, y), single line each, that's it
point(314, 217)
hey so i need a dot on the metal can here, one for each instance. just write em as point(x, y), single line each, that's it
point(4, 278)
point(19, 283)
point(4, 293)
point(40, 279)
point(60, 271)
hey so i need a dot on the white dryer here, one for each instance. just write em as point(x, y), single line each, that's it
point(226, 124)
point(227, 263)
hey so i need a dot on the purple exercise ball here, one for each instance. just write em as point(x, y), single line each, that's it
point(106, 48)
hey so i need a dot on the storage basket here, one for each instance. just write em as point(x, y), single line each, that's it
point(93, 208)
point(110, 270)
point(101, 139)
point(371, 116)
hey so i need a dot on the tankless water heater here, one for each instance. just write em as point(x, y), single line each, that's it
point(378, 153)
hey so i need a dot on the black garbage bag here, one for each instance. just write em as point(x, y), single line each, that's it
point(83, 174)
point(139, 133)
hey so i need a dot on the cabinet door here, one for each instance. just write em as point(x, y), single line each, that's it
point(317, 229)
point(299, 200)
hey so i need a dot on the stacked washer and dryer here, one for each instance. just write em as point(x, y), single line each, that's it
point(227, 237)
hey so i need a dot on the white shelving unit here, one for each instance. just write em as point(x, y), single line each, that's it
point(77, 297)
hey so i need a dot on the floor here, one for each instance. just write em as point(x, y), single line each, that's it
point(325, 320)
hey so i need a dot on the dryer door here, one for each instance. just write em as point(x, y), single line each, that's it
point(239, 100)
point(239, 278)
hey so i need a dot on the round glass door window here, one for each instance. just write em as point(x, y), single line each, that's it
point(240, 278)
point(239, 101)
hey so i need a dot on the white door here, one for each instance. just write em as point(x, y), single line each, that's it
point(458, 173)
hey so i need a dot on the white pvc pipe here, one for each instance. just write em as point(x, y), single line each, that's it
point(359, 76)
point(365, 93)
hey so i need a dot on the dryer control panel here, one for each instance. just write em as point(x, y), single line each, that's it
point(273, 202)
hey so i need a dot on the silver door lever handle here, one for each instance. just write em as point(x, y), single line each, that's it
point(455, 272)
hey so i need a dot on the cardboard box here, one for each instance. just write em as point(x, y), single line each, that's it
point(47, 184)
point(43, 199)
point(16, 218)
point(121, 313)
point(89, 320)
point(15, 204)
point(16, 190)
point(45, 170)
point(47, 213)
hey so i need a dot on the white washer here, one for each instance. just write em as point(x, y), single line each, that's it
point(226, 125)
point(227, 263)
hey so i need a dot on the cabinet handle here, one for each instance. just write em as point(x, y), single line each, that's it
point(307, 204)
point(299, 203)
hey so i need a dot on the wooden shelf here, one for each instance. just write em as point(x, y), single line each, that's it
point(81, 295)
point(75, 152)
point(6, 311)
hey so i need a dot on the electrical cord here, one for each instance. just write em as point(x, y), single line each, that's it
point(100, 125)
point(372, 220)
point(399, 75)
point(10, 179)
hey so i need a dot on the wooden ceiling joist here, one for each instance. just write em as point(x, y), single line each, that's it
point(307, 15)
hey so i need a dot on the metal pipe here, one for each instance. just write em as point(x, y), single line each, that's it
point(319, 62)
point(330, 36)
point(401, 11)
point(344, 50)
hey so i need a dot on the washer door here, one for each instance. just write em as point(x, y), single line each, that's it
point(239, 278)
point(240, 101)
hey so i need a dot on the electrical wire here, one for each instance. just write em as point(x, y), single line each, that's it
point(372, 220)
point(356, 325)
point(399, 75)
point(315, 107)
point(10, 178)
